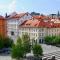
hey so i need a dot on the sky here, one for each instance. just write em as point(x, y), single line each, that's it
point(41, 6)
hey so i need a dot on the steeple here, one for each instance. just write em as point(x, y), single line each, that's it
point(58, 14)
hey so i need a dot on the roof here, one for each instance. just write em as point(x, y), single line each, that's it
point(17, 16)
point(2, 18)
point(42, 17)
point(55, 20)
point(37, 23)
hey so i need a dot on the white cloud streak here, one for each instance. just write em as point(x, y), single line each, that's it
point(11, 7)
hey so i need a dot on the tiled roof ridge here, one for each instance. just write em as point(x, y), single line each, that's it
point(35, 23)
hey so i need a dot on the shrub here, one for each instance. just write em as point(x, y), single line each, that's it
point(8, 42)
point(1, 42)
point(22, 47)
point(52, 40)
point(26, 43)
point(5, 42)
point(48, 39)
point(17, 51)
point(37, 50)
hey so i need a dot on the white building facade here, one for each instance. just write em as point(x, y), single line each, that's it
point(37, 34)
point(37, 31)
point(14, 22)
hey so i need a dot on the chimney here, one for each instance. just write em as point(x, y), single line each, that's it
point(6, 15)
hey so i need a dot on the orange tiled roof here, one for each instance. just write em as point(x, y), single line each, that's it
point(37, 23)
point(42, 17)
point(1, 17)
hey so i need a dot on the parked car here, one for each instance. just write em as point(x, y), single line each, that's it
point(5, 50)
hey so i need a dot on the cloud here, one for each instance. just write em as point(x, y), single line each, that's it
point(11, 7)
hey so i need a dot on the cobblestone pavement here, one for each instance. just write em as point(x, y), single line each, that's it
point(49, 49)
point(5, 58)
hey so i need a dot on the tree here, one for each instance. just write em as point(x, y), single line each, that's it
point(19, 41)
point(8, 42)
point(17, 51)
point(34, 13)
point(5, 42)
point(53, 40)
point(1, 41)
point(26, 43)
point(48, 39)
point(22, 47)
point(37, 50)
point(56, 40)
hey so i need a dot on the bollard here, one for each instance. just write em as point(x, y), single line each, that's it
point(45, 58)
point(49, 58)
point(53, 57)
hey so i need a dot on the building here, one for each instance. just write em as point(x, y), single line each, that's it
point(38, 29)
point(55, 15)
point(13, 21)
point(2, 26)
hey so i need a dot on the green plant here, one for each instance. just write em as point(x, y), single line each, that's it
point(37, 50)
point(48, 39)
point(8, 42)
point(26, 43)
point(22, 47)
point(52, 40)
point(1, 42)
point(17, 51)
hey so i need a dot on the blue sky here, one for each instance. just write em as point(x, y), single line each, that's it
point(41, 6)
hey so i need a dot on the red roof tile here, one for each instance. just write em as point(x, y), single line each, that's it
point(2, 18)
point(37, 23)
point(42, 17)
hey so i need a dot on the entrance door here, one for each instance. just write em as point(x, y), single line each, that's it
point(41, 40)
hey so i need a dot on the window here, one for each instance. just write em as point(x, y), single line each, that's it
point(12, 33)
point(36, 35)
point(29, 29)
point(42, 29)
point(39, 30)
point(36, 30)
point(39, 40)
